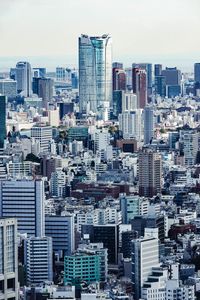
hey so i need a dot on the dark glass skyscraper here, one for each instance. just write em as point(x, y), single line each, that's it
point(197, 72)
point(2, 120)
point(157, 69)
point(160, 85)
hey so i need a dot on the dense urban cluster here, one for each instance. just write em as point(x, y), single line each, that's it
point(99, 180)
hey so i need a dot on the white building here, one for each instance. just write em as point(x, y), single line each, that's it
point(38, 256)
point(130, 123)
point(24, 200)
point(145, 256)
point(8, 259)
point(58, 183)
point(43, 134)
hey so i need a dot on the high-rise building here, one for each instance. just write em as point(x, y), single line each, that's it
point(147, 67)
point(38, 259)
point(63, 75)
point(157, 70)
point(58, 183)
point(45, 90)
point(172, 76)
point(8, 259)
point(145, 256)
point(43, 134)
point(24, 200)
point(24, 78)
point(190, 141)
point(148, 124)
point(8, 88)
point(61, 229)
point(39, 72)
point(197, 72)
point(160, 86)
point(2, 120)
point(139, 84)
point(150, 172)
point(130, 124)
point(95, 75)
point(43, 87)
point(118, 77)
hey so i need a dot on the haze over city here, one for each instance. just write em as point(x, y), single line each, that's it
point(47, 30)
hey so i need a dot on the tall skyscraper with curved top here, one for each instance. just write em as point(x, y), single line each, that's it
point(24, 78)
point(95, 75)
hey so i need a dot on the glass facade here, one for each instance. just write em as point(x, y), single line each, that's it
point(95, 75)
point(2, 120)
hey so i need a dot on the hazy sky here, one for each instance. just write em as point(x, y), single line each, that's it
point(153, 30)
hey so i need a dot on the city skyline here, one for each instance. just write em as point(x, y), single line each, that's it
point(139, 34)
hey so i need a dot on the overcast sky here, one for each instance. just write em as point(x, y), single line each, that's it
point(153, 30)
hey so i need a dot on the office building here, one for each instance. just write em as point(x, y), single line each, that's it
point(65, 108)
point(63, 75)
point(139, 84)
point(8, 88)
point(190, 142)
point(95, 75)
point(148, 124)
point(61, 229)
point(155, 286)
point(197, 72)
point(172, 76)
point(81, 267)
point(107, 234)
point(97, 249)
point(118, 77)
point(42, 134)
point(173, 91)
point(160, 86)
point(46, 90)
point(139, 223)
point(129, 102)
point(24, 78)
point(2, 120)
point(147, 67)
point(38, 260)
point(8, 259)
point(145, 256)
point(58, 183)
point(150, 173)
point(39, 72)
point(24, 200)
point(130, 124)
point(176, 291)
point(157, 70)
point(131, 206)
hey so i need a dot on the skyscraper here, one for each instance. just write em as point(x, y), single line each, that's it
point(148, 124)
point(157, 70)
point(24, 78)
point(148, 68)
point(172, 76)
point(197, 72)
point(150, 172)
point(24, 199)
point(95, 75)
point(8, 259)
point(145, 256)
point(38, 259)
point(139, 84)
point(160, 85)
point(2, 120)
point(43, 134)
point(118, 77)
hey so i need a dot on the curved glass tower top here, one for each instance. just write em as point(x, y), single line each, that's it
point(95, 74)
